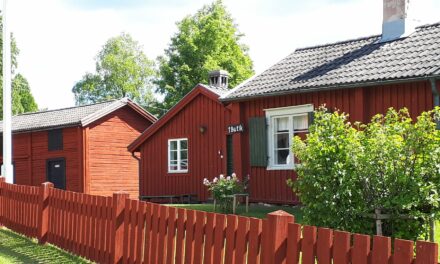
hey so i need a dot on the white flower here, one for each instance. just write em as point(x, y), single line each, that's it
point(215, 179)
point(234, 175)
point(222, 176)
point(206, 182)
point(228, 178)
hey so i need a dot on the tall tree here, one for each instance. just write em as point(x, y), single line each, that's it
point(122, 70)
point(205, 41)
point(22, 99)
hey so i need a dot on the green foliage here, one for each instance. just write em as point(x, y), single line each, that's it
point(223, 187)
point(205, 41)
point(122, 70)
point(391, 164)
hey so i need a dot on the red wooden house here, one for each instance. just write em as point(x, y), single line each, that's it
point(82, 149)
point(361, 77)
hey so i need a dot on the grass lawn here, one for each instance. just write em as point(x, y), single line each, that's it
point(255, 210)
point(15, 248)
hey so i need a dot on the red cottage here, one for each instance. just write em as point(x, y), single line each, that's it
point(82, 149)
point(361, 77)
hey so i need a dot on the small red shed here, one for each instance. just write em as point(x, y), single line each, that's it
point(82, 149)
point(258, 119)
point(175, 147)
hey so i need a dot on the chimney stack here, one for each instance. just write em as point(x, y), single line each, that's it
point(218, 78)
point(396, 23)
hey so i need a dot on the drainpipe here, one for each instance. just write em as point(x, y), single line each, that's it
point(139, 173)
point(436, 96)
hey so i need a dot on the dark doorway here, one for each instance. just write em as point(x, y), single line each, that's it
point(56, 172)
point(229, 155)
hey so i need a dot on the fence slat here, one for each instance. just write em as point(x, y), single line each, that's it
point(381, 249)
point(308, 244)
point(360, 252)
point(133, 229)
point(163, 212)
point(231, 228)
point(209, 239)
point(171, 236)
point(219, 236)
point(189, 237)
point(293, 243)
point(180, 235)
point(324, 245)
point(154, 233)
point(241, 240)
point(199, 236)
point(341, 247)
point(140, 232)
point(426, 253)
point(403, 251)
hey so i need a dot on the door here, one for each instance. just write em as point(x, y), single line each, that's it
point(229, 155)
point(56, 172)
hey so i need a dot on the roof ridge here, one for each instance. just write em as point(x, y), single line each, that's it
point(65, 108)
point(337, 43)
point(429, 25)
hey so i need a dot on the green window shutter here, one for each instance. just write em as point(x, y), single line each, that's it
point(258, 141)
point(311, 116)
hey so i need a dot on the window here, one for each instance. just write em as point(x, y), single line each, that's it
point(178, 155)
point(284, 123)
point(55, 139)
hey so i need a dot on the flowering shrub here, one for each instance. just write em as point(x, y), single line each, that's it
point(221, 188)
point(391, 164)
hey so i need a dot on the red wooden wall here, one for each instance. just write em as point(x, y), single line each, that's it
point(360, 103)
point(111, 166)
point(203, 151)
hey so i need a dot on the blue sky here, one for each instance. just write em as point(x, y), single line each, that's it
point(59, 39)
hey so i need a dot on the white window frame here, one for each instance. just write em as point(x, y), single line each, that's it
point(179, 158)
point(271, 115)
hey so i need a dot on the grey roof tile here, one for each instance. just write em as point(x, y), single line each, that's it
point(348, 63)
point(65, 117)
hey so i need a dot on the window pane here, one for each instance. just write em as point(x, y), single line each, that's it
point(173, 145)
point(184, 144)
point(300, 122)
point(282, 140)
point(184, 154)
point(281, 156)
point(282, 124)
point(184, 165)
point(173, 165)
point(173, 155)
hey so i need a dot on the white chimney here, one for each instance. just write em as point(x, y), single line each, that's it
point(218, 78)
point(396, 22)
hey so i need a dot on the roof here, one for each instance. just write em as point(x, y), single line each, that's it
point(211, 92)
point(348, 63)
point(71, 116)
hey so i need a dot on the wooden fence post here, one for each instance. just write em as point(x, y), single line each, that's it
point(43, 212)
point(2, 180)
point(117, 234)
point(276, 236)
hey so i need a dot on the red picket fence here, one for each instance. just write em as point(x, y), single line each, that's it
point(120, 230)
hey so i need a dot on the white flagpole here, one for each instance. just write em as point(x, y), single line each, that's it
point(7, 170)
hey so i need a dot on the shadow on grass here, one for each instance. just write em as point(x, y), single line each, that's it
point(15, 248)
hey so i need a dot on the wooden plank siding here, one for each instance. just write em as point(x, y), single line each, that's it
point(203, 150)
point(361, 103)
point(111, 166)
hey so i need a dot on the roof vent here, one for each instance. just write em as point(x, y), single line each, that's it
point(218, 78)
point(396, 23)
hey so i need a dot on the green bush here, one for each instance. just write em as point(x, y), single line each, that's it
point(347, 171)
point(222, 188)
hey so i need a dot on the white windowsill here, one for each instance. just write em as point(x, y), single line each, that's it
point(178, 171)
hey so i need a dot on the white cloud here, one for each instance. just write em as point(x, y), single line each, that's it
point(58, 42)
